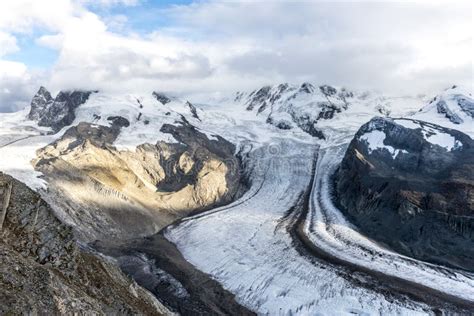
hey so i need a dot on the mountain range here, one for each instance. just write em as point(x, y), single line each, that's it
point(286, 199)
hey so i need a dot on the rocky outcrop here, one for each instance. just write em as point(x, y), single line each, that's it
point(58, 112)
point(193, 110)
point(258, 98)
point(118, 122)
point(43, 271)
point(39, 102)
point(410, 185)
point(137, 192)
point(162, 98)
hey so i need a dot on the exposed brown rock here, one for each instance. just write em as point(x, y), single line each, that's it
point(105, 192)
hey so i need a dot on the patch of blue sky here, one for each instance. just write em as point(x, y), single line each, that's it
point(34, 55)
point(144, 18)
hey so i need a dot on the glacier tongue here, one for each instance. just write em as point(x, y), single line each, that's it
point(247, 247)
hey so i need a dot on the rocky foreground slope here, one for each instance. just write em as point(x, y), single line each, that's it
point(43, 270)
point(410, 185)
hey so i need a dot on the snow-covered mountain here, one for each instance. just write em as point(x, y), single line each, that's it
point(308, 107)
point(453, 108)
point(128, 165)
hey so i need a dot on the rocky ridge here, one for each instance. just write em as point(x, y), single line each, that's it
point(56, 112)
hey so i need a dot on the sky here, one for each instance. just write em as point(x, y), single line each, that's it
point(185, 46)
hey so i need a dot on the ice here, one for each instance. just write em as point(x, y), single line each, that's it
point(439, 138)
point(408, 123)
point(246, 245)
point(375, 140)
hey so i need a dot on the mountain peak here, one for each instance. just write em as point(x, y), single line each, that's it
point(58, 112)
point(161, 97)
point(307, 87)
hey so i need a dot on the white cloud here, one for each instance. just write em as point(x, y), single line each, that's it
point(403, 47)
point(109, 3)
point(7, 44)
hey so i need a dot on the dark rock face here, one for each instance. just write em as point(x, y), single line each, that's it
point(258, 98)
point(307, 125)
point(328, 111)
point(163, 99)
point(193, 110)
point(443, 108)
point(467, 106)
point(413, 195)
point(41, 99)
point(118, 122)
point(59, 112)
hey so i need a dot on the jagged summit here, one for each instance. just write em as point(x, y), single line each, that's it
point(58, 112)
point(307, 87)
point(161, 97)
point(38, 103)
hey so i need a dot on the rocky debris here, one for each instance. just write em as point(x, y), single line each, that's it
point(156, 264)
point(43, 271)
point(59, 112)
point(140, 191)
point(410, 185)
point(163, 99)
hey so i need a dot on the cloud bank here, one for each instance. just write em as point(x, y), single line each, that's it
point(397, 47)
